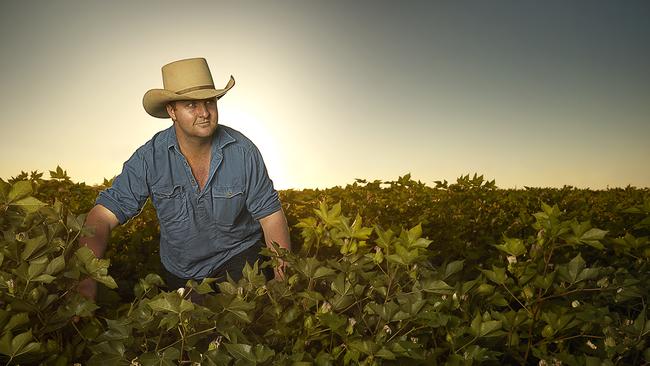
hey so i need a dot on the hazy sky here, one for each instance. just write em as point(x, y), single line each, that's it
point(536, 93)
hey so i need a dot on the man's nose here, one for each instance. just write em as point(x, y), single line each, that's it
point(202, 109)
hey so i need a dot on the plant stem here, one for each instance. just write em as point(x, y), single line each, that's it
point(180, 331)
point(467, 344)
point(515, 297)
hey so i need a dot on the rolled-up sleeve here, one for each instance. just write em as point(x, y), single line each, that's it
point(262, 199)
point(129, 191)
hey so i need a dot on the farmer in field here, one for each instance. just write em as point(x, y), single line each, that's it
point(208, 183)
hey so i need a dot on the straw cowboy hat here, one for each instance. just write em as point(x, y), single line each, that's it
point(188, 79)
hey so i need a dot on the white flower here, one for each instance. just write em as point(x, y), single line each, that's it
point(387, 329)
point(181, 291)
point(575, 303)
point(512, 259)
point(591, 345)
point(352, 321)
point(326, 307)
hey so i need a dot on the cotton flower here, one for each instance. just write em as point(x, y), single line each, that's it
point(326, 307)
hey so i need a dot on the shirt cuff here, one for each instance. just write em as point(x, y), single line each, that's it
point(277, 206)
point(111, 206)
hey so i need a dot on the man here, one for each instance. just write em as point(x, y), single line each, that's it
point(207, 182)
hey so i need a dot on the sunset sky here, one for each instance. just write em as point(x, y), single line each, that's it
point(529, 93)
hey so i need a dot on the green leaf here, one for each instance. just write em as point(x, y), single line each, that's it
point(19, 190)
point(333, 321)
point(488, 327)
point(475, 326)
point(436, 286)
point(45, 278)
point(83, 307)
point(385, 311)
point(394, 258)
point(513, 247)
point(594, 234)
point(164, 304)
point(95, 267)
point(593, 237)
point(415, 233)
point(576, 265)
point(56, 265)
point(385, 354)
point(165, 358)
point(367, 347)
point(497, 275)
point(19, 344)
point(185, 306)
point(5, 344)
point(262, 353)
point(36, 267)
point(453, 267)
point(205, 287)
point(28, 204)
point(240, 351)
point(588, 274)
point(330, 217)
point(323, 272)
point(108, 353)
point(32, 246)
point(16, 320)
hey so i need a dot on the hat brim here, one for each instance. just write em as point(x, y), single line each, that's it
point(155, 100)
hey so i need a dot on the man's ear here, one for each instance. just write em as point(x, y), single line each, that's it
point(171, 111)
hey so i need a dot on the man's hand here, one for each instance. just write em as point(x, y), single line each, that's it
point(88, 288)
point(279, 270)
point(276, 230)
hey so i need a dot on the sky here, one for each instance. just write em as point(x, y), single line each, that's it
point(528, 93)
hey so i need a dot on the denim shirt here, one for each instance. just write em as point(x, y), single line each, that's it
point(199, 229)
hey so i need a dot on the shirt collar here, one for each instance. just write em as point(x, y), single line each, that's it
point(220, 139)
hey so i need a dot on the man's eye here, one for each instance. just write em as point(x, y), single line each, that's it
point(190, 105)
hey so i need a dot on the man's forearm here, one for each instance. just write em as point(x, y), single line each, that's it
point(101, 221)
point(276, 230)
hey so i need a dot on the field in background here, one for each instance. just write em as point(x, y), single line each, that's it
point(381, 273)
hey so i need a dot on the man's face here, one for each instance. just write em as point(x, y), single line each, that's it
point(195, 118)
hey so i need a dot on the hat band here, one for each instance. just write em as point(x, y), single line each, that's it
point(200, 87)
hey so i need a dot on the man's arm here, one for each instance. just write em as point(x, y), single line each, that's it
point(102, 221)
point(276, 230)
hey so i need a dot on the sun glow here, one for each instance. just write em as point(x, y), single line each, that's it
point(246, 121)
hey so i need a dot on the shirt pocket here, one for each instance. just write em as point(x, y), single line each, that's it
point(171, 204)
point(227, 204)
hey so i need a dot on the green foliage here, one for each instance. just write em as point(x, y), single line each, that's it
point(381, 273)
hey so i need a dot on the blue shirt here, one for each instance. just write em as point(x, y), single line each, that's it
point(199, 229)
